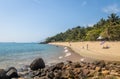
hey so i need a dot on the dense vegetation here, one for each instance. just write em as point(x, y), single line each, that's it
point(108, 29)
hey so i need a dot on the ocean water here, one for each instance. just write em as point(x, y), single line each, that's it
point(20, 54)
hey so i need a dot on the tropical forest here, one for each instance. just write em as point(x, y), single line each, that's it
point(108, 29)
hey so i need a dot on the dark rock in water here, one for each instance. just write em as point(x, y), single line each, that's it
point(12, 72)
point(37, 64)
point(3, 74)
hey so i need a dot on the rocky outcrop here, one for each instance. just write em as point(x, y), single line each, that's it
point(12, 72)
point(66, 70)
point(78, 70)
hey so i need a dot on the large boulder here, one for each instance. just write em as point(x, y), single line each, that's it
point(37, 64)
point(3, 74)
point(11, 72)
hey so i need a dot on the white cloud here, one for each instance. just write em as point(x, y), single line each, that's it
point(111, 9)
point(90, 25)
point(84, 3)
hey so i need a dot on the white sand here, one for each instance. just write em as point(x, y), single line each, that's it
point(95, 49)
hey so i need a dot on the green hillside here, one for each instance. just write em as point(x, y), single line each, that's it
point(108, 29)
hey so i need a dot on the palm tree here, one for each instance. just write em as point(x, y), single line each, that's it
point(113, 19)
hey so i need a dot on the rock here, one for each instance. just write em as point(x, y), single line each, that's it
point(36, 77)
point(86, 72)
point(92, 66)
point(58, 66)
point(20, 78)
point(65, 74)
point(110, 77)
point(51, 75)
point(96, 77)
point(51, 68)
point(12, 72)
point(22, 74)
point(34, 73)
point(77, 65)
point(100, 63)
point(68, 62)
point(3, 74)
point(71, 70)
point(58, 75)
point(77, 70)
point(97, 74)
point(24, 68)
point(113, 72)
point(105, 72)
point(98, 69)
point(43, 72)
point(71, 74)
point(67, 66)
point(37, 64)
point(91, 74)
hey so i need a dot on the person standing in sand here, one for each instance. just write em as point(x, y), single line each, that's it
point(87, 46)
point(69, 44)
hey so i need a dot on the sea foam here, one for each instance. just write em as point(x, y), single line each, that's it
point(67, 54)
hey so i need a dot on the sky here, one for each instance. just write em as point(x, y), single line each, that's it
point(35, 20)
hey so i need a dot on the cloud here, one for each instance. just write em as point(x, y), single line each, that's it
point(111, 9)
point(90, 25)
point(84, 3)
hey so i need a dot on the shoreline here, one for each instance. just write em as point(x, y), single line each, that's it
point(95, 50)
point(74, 57)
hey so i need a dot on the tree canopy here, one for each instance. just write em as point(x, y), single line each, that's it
point(108, 28)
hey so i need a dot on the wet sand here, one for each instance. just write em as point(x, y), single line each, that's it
point(71, 55)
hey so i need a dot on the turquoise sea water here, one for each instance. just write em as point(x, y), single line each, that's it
point(19, 54)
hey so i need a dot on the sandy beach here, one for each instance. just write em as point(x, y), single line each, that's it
point(71, 55)
point(95, 49)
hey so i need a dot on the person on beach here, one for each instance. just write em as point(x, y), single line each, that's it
point(87, 46)
point(69, 44)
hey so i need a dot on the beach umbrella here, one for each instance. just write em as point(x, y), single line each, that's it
point(100, 38)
